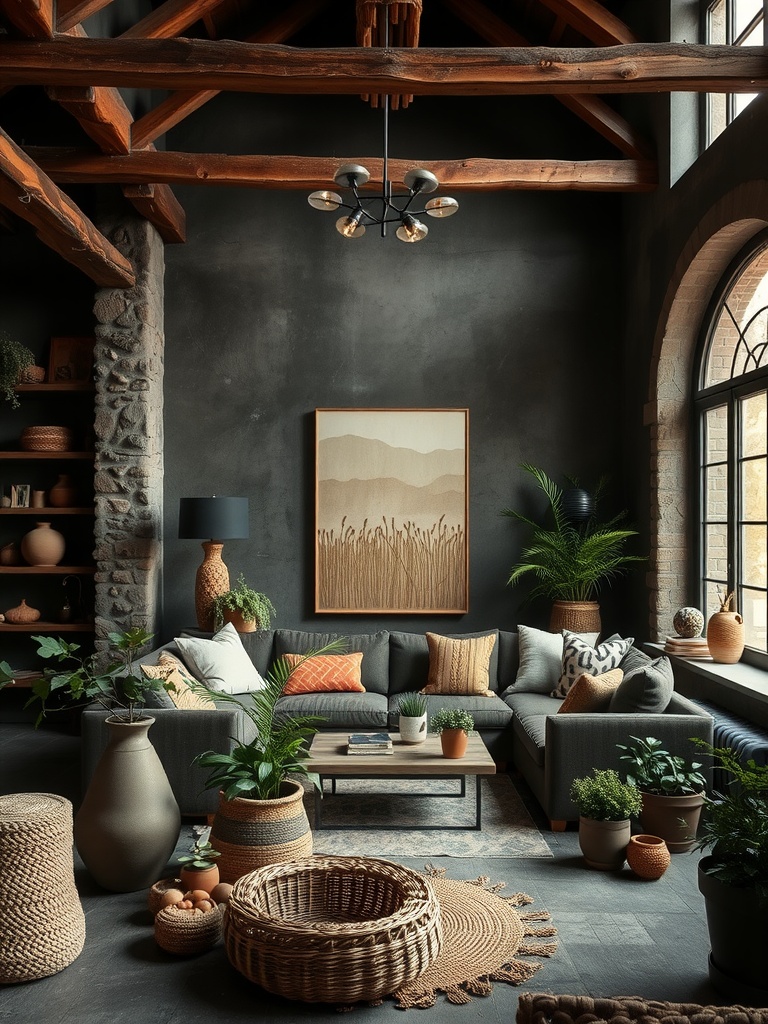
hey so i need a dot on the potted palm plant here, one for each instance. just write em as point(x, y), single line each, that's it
point(733, 878)
point(572, 558)
point(606, 806)
point(244, 607)
point(454, 726)
point(261, 817)
point(672, 791)
point(412, 717)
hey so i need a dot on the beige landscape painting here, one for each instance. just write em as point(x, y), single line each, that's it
point(391, 510)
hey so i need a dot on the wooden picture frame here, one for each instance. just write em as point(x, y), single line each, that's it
point(391, 511)
point(70, 360)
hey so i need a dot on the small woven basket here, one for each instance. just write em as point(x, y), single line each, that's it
point(186, 932)
point(332, 929)
point(46, 439)
point(158, 890)
point(31, 375)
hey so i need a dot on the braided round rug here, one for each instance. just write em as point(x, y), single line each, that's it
point(544, 1008)
point(483, 937)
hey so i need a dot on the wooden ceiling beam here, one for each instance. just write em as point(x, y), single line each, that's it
point(160, 206)
point(102, 114)
point(593, 21)
point(170, 19)
point(172, 110)
point(72, 12)
point(307, 173)
point(32, 196)
point(591, 109)
point(33, 18)
point(195, 64)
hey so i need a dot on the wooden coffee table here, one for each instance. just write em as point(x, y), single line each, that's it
point(330, 760)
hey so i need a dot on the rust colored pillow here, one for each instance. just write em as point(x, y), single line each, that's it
point(591, 693)
point(459, 668)
point(324, 673)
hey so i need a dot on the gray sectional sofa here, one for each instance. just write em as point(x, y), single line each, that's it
point(518, 726)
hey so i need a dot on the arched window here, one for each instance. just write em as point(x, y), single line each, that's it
point(732, 412)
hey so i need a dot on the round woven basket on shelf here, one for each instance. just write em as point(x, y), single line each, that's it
point(184, 932)
point(46, 439)
point(332, 929)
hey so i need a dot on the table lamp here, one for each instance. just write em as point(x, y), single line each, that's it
point(219, 519)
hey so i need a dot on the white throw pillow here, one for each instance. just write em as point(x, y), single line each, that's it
point(222, 662)
point(541, 660)
point(580, 657)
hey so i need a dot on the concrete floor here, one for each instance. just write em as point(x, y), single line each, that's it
point(617, 935)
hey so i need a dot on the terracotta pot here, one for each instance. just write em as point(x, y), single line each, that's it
point(63, 494)
point(241, 625)
point(575, 616)
point(673, 818)
point(43, 545)
point(199, 878)
point(604, 843)
point(128, 823)
point(648, 856)
point(454, 743)
point(22, 614)
point(725, 637)
point(412, 730)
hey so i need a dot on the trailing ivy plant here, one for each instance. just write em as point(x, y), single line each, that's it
point(14, 357)
point(253, 606)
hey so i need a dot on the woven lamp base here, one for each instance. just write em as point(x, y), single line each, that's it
point(212, 579)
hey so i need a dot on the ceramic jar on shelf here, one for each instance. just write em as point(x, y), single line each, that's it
point(63, 494)
point(43, 545)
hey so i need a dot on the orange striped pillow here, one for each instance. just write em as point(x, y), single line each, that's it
point(324, 673)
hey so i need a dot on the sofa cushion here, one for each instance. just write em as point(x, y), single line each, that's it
point(459, 668)
point(182, 696)
point(221, 662)
point(324, 673)
point(374, 672)
point(591, 693)
point(488, 712)
point(646, 690)
point(579, 657)
point(530, 720)
point(509, 658)
point(259, 646)
point(541, 661)
point(340, 711)
point(634, 658)
point(409, 660)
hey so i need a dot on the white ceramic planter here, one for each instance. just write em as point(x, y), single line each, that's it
point(412, 730)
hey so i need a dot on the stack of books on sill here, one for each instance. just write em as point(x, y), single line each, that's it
point(687, 646)
point(362, 743)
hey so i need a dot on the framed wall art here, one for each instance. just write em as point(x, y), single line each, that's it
point(71, 359)
point(391, 503)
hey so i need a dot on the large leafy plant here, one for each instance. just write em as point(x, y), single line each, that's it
point(654, 770)
point(257, 769)
point(571, 561)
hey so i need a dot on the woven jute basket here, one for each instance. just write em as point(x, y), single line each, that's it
point(575, 616)
point(332, 929)
point(46, 439)
point(43, 925)
point(186, 932)
point(252, 833)
point(158, 890)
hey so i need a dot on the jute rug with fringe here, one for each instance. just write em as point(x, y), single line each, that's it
point(484, 938)
point(542, 1008)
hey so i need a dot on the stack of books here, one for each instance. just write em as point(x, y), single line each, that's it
point(369, 743)
point(687, 646)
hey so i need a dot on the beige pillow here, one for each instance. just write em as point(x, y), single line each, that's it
point(459, 668)
point(591, 693)
point(183, 696)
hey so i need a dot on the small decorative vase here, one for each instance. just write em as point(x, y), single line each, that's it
point(63, 494)
point(454, 743)
point(604, 843)
point(22, 614)
point(648, 856)
point(241, 625)
point(575, 616)
point(128, 823)
point(10, 554)
point(725, 637)
point(199, 878)
point(43, 545)
point(412, 730)
point(577, 504)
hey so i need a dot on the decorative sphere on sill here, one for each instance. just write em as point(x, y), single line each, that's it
point(688, 622)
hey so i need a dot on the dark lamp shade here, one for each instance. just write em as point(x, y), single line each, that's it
point(213, 518)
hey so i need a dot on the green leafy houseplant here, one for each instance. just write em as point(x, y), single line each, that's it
point(654, 770)
point(602, 796)
point(14, 357)
point(452, 718)
point(571, 562)
point(412, 705)
point(253, 606)
point(115, 687)
point(257, 769)
point(202, 855)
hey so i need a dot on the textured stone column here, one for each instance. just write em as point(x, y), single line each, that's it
point(129, 436)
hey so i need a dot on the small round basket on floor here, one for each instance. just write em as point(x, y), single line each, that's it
point(332, 929)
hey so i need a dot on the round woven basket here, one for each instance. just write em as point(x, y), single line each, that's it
point(332, 929)
point(575, 616)
point(46, 439)
point(43, 927)
point(186, 932)
point(158, 890)
point(31, 375)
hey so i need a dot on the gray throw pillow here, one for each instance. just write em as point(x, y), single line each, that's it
point(634, 658)
point(541, 659)
point(646, 690)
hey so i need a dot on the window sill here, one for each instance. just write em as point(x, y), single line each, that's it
point(746, 680)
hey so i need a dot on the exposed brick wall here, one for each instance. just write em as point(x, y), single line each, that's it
point(129, 436)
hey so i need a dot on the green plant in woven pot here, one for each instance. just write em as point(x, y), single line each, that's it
point(606, 806)
point(244, 607)
point(14, 359)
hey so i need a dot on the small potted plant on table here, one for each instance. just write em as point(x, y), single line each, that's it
point(605, 805)
point(244, 607)
point(454, 726)
point(412, 720)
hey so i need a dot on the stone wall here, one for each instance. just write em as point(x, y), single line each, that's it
point(129, 436)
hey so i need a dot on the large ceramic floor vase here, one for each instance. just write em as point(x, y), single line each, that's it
point(128, 823)
point(252, 833)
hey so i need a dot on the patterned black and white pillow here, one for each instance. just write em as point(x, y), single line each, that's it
point(579, 657)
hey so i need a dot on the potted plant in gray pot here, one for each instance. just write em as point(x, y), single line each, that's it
point(606, 806)
point(733, 878)
point(672, 790)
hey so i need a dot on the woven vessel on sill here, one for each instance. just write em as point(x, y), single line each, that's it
point(46, 439)
point(332, 929)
